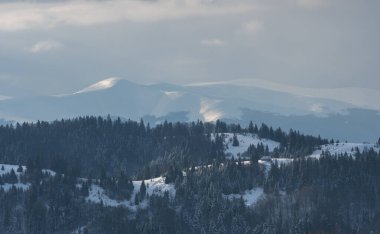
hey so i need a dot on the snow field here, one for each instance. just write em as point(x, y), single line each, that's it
point(342, 148)
point(155, 186)
point(7, 169)
point(245, 140)
point(24, 186)
point(250, 197)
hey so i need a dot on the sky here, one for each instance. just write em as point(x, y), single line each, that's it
point(50, 47)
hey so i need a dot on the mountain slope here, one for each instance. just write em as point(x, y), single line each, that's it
point(157, 102)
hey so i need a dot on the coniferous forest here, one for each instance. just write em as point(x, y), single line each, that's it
point(105, 175)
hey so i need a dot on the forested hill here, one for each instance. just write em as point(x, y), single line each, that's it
point(93, 144)
point(98, 175)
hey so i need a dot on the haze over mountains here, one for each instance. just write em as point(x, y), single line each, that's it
point(206, 102)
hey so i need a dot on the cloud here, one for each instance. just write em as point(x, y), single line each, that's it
point(3, 98)
point(252, 27)
point(359, 97)
point(212, 42)
point(310, 3)
point(173, 94)
point(318, 108)
point(44, 46)
point(209, 109)
point(28, 15)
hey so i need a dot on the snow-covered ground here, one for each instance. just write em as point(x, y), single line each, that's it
point(267, 165)
point(250, 197)
point(154, 186)
point(49, 172)
point(342, 148)
point(21, 186)
point(8, 168)
point(282, 161)
point(245, 140)
point(279, 161)
point(79, 230)
point(24, 186)
point(245, 163)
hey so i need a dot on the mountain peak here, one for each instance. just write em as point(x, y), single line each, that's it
point(101, 85)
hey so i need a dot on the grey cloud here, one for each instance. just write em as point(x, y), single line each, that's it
point(307, 44)
point(29, 15)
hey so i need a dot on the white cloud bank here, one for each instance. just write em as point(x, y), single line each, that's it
point(311, 3)
point(359, 97)
point(213, 42)
point(28, 15)
point(44, 46)
point(252, 27)
point(209, 110)
point(3, 98)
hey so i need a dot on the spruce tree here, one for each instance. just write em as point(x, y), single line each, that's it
point(13, 178)
point(142, 191)
point(235, 141)
point(250, 127)
point(19, 169)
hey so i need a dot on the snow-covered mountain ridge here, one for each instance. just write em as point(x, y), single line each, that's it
point(235, 103)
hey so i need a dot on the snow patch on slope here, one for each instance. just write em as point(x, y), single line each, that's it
point(8, 168)
point(344, 148)
point(104, 84)
point(49, 172)
point(267, 164)
point(250, 197)
point(173, 94)
point(245, 140)
point(282, 161)
point(23, 186)
point(155, 186)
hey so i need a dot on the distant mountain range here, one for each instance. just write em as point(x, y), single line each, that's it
point(207, 102)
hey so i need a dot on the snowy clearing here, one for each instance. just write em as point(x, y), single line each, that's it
point(79, 230)
point(49, 172)
point(282, 161)
point(23, 186)
point(154, 186)
point(279, 161)
point(250, 197)
point(8, 168)
point(245, 140)
point(343, 148)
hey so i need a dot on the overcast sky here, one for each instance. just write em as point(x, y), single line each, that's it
point(52, 47)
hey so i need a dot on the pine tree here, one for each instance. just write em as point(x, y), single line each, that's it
point(235, 141)
point(13, 178)
point(137, 202)
point(19, 169)
point(250, 127)
point(2, 167)
point(142, 191)
point(7, 216)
